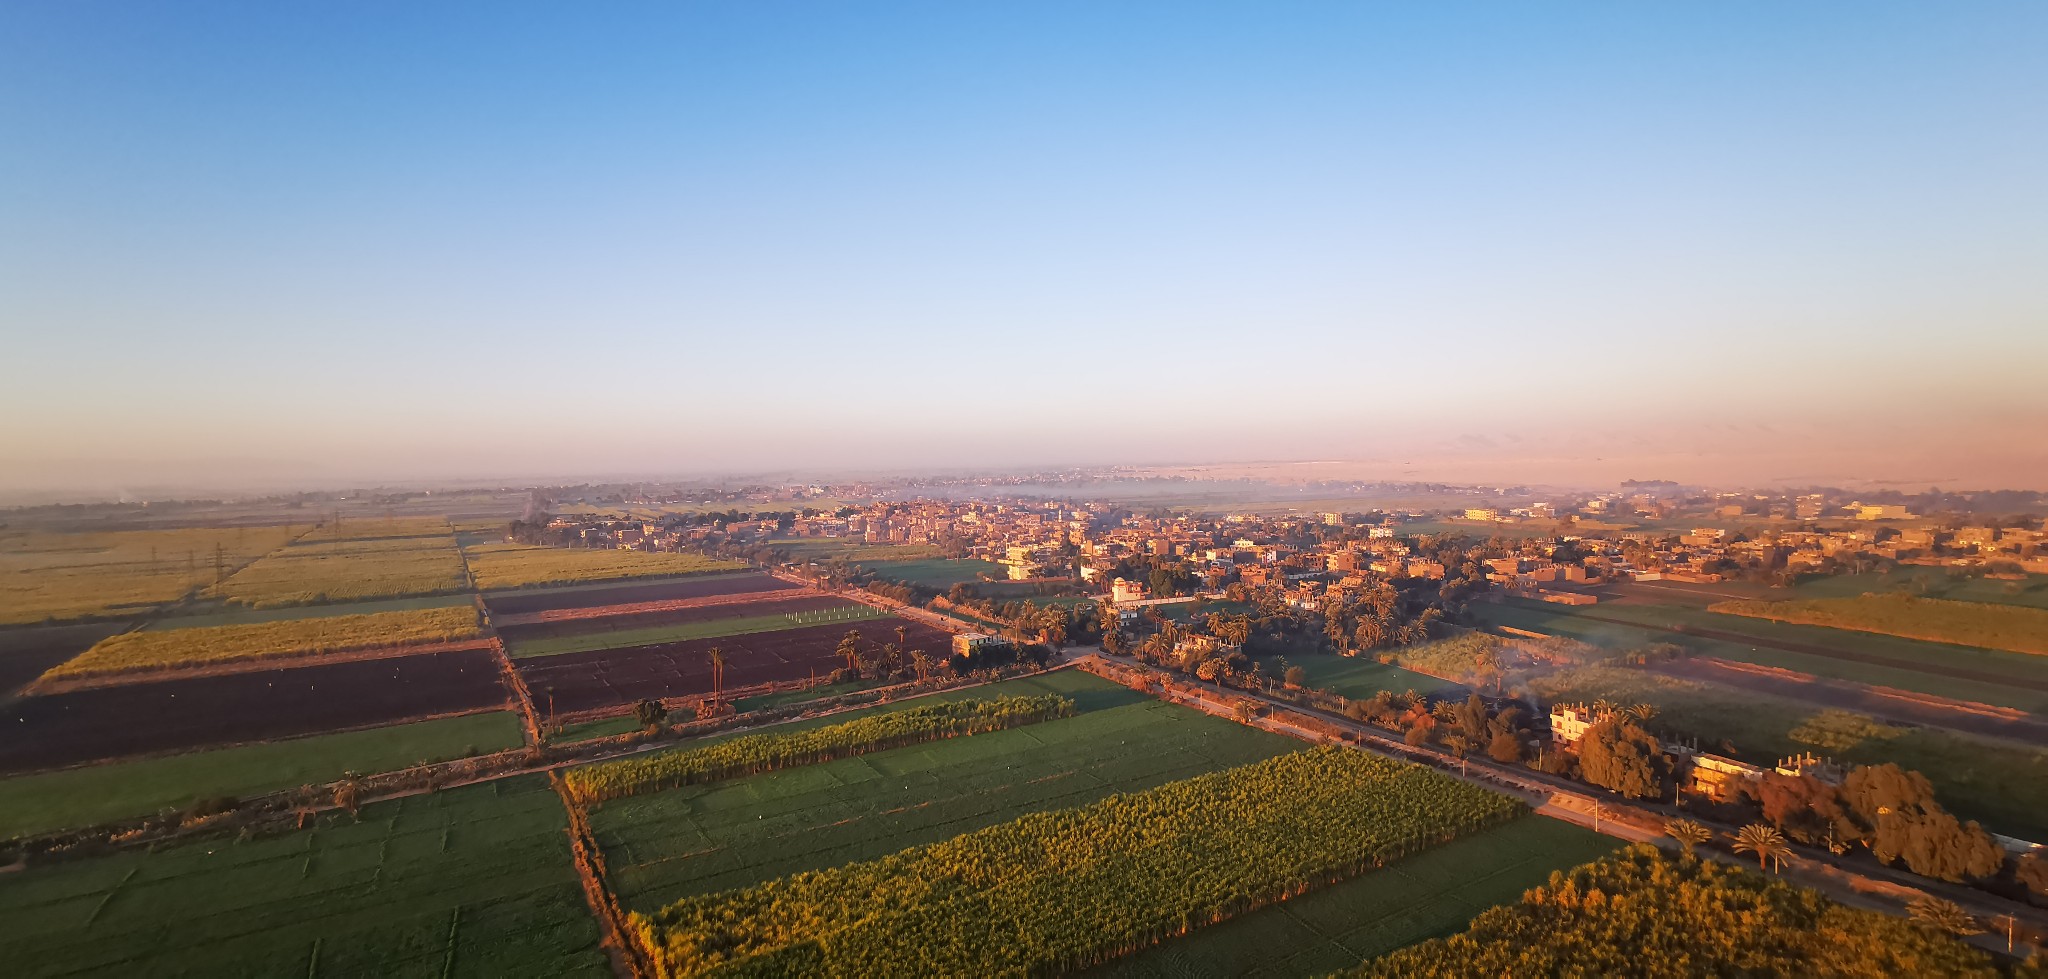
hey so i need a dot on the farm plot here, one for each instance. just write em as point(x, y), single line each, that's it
point(1427, 895)
point(1958, 672)
point(738, 620)
point(573, 682)
point(2014, 628)
point(940, 573)
point(704, 838)
point(474, 881)
point(1359, 677)
point(718, 607)
point(215, 612)
point(530, 601)
point(63, 576)
point(80, 797)
point(25, 653)
point(2032, 590)
point(506, 565)
point(1060, 891)
point(59, 729)
point(313, 572)
point(134, 652)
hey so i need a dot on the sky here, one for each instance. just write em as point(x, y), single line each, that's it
point(1734, 243)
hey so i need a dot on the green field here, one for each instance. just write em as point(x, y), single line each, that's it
point(940, 573)
point(1931, 583)
point(744, 625)
point(474, 881)
point(2000, 783)
point(2015, 628)
point(1906, 664)
point(1359, 677)
point(1424, 896)
point(500, 564)
point(700, 839)
point(600, 585)
point(601, 728)
point(78, 797)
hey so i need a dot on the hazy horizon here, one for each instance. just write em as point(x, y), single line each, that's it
point(1737, 245)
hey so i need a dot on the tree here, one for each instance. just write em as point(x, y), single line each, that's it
point(1945, 916)
point(1506, 748)
point(2032, 873)
point(1296, 677)
point(650, 713)
point(717, 658)
point(1616, 754)
point(849, 649)
point(1765, 841)
point(1689, 833)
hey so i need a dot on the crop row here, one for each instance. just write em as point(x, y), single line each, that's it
point(768, 752)
point(1063, 891)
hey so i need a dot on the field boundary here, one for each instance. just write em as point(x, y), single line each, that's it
point(627, 957)
point(641, 608)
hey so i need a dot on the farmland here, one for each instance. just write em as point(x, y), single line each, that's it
point(1959, 672)
point(85, 796)
point(500, 564)
point(25, 653)
point(2004, 784)
point(927, 720)
point(1058, 891)
point(139, 651)
point(940, 573)
point(1426, 895)
point(58, 729)
point(351, 570)
point(736, 620)
point(1359, 677)
point(475, 881)
point(2032, 590)
point(2013, 628)
point(601, 678)
point(703, 838)
point(62, 576)
point(537, 600)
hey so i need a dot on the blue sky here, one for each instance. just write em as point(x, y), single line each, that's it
point(383, 240)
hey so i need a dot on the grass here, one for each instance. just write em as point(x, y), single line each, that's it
point(62, 576)
point(357, 528)
point(712, 629)
point(473, 881)
point(1907, 664)
point(940, 573)
point(2002, 784)
point(1427, 895)
point(79, 797)
point(203, 646)
point(601, 728)
point(1359, 677)
point(350, 570)
point(590, 586)
point(700, 839)
point(2013, 628)
point(502, 564)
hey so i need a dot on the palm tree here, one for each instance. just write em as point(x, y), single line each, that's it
point(1602, 708)
point(348, 792)
point(1765, 841)
point(1643, 712)
point(717, 657)
point(1688, 833)
point(1943, 915)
